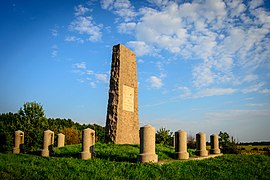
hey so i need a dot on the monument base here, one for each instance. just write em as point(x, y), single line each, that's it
point(147, 158)
point(15, 150)
point(45, 153)
point(181, 155)
point(85, 155)
point(214, 151)
point(202, 153)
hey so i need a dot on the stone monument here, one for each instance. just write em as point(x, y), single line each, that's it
point(48, 141)
point(88, 138)
point(60, 140)
point(147, 145)
point(18, 142)
point(122, 124)
point(214, 144)
point(201, 144)
point(181, 145)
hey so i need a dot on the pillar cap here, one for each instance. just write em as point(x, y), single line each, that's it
point(201, 133)
point(148, 126)
point(89, 129)
point(181, 130)
point(48, 131)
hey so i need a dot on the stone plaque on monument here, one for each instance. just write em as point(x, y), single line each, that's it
point(122, 124)
point(128, 98)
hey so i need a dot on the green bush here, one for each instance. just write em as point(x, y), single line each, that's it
point(228, 144)
point(164, 136)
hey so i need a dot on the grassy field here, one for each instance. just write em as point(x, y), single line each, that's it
point(118, 162)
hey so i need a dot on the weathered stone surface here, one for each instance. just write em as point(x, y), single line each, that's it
point(48, 141)
point(122, 124)
point(201, 144)
point(88, 144)
point(214, 144)
point(18, 142)
point(60, 140)
point(181, 145)
point(147, 145)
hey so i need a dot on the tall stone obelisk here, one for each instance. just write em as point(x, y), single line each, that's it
point(122, 124)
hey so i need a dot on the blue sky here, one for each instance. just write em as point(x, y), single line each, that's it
point(202, 65)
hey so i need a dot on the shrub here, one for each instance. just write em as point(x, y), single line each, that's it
point(228, 145)
point(72, 136)
point(164, 136)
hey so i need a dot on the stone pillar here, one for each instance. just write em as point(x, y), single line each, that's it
point(122, 123)
point(201, 144)
point(60, 140)
point(88, 138)
point(173, 141)
point(214, 144)
point(147, 144)
point(48, 141)
point(181, 145)
point(18, 142)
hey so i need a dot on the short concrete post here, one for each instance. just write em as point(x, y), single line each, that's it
point(88, 137)
point(201, 144)
point(181, 145)
point(48, 141)
point(214, 144)
point(147, 144)
point(60, 140)
point(18, 142)
point(173, 141)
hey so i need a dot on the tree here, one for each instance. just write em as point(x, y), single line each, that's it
point(228, 145)
point(72, 136)
point(191, 143)
point(33, 123)
point(164, 136)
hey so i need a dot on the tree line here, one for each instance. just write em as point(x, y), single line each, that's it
point(32, 121)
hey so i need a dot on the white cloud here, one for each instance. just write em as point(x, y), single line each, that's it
point(86, 25)
point(122, 8)
point(101, 77)
point(255, 104)
point(155, 82)
point(87, 75)
point(74, 39)
point(159, 3)
point(54, 32)
point(253, 88)
point(54, 52)
point(81, 10)
point(265, 91)
point(184, 91)
point(140, 47)
point(90, 72)
point(140, 61)
point(93, 84)
point(126, 27)
point(229, 40)
point(255, 3)
point(250, 77)
point(203, 75)
point(81, 65)
point(214, 92)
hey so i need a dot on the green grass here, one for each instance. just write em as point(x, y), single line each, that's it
point(117, 162)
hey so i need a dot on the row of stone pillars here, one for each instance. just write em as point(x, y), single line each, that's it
point(48, 142)
point(147, 144)
point(88, 137)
